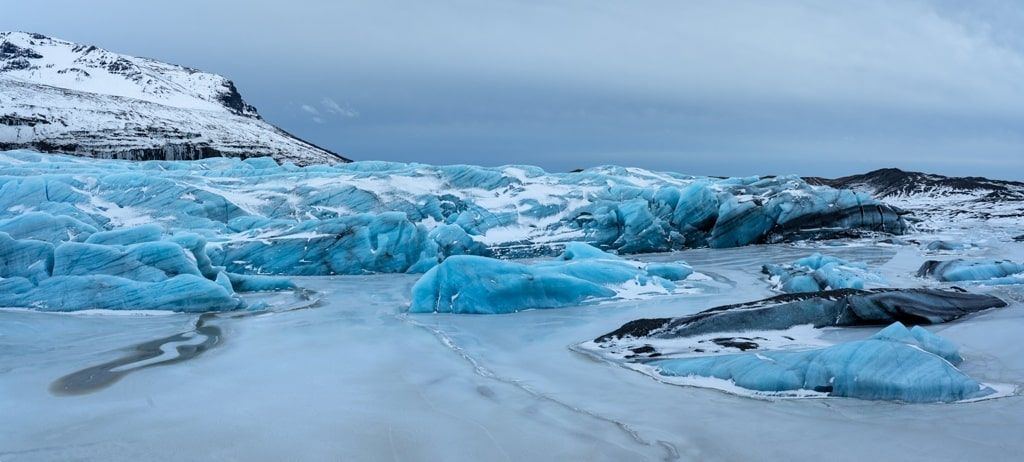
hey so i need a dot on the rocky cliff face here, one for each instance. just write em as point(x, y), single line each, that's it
point(58, 96)
point(940, 201)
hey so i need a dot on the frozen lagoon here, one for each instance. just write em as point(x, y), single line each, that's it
point(356, 377)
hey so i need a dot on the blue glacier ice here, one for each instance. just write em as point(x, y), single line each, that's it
point(819, 272)
point(470, 284)
point(988, 272)
point(153, 273)
point(262, 218)
point(895, 364)
point(185, 292)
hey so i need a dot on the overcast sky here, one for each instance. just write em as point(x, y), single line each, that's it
point(716, 87)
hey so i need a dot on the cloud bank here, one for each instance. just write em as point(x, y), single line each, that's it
point(737, 87)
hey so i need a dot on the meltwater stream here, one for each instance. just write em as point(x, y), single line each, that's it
point(354, 377)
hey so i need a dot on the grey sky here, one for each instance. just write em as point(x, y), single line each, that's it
point(731, 88)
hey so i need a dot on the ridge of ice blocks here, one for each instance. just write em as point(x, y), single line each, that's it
point(833, 308)
point(470, 284)
point(818, 272)
point(988, 272)
point(773, 347)
point(910, 365)
point(261, 217)
point(124, 269)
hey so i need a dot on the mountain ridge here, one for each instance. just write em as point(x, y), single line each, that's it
point(62, 97)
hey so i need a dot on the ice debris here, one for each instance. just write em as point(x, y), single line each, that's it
point(819, 272)
point(910, 365)
point(260, 217)
point(478, 285)
point(988, 272)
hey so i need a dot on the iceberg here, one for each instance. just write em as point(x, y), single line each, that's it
point(263, 218)
point(818, 272)
point(899, 364)
point(469, 284)
point(989, 272)
point(832, 308)
point(774, 347)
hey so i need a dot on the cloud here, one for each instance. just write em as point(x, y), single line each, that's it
point(334, 108)
point(310, 109)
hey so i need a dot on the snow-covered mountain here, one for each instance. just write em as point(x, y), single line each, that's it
point(59, 96)
point(939, 201)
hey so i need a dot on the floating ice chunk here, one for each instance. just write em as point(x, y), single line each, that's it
point(992, 272)
point(479, 285)
point(819, 272)
point(891, 365)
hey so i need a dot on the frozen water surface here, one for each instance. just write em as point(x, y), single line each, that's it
point(345, 373)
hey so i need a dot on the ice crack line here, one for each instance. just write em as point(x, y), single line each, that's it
point(671, 452)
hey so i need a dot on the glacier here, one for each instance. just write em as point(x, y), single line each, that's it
point(988, 272)
point(369, 217)
point(897, 364)
point(818, 272)
point(469, 284)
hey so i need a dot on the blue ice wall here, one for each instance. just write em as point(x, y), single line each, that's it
point(137, 269)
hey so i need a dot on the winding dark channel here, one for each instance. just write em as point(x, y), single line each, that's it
point(100, 376)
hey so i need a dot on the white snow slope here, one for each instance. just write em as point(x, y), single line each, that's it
point(58, 96)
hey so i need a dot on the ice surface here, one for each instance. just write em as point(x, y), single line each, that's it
point(895, 364)
point(357, 378)
point(819, 272)
point(990, 272)
point(470, 284)
point(363, 217)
